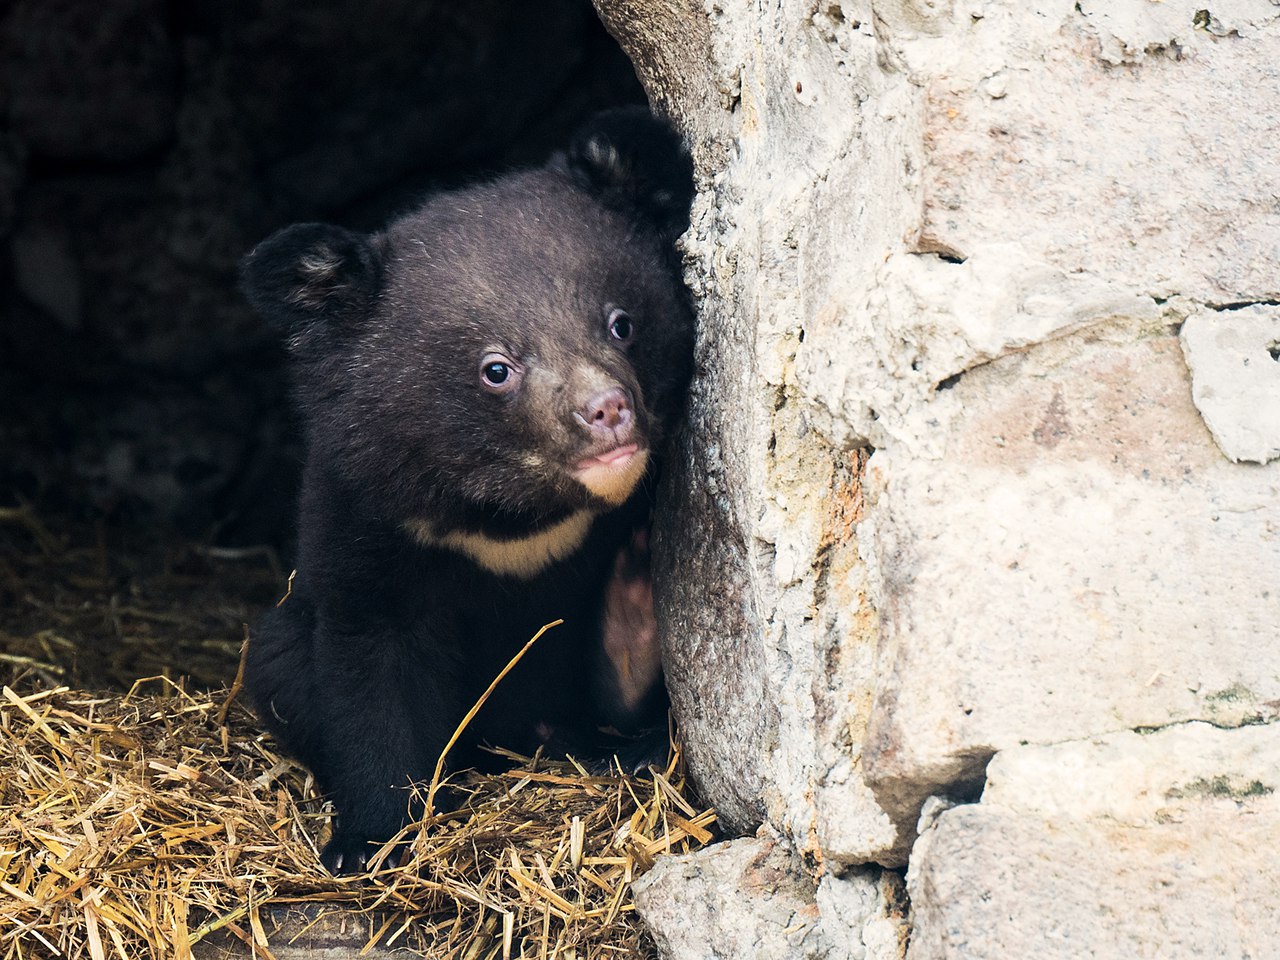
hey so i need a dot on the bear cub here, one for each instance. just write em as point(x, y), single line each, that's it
point(485, 387)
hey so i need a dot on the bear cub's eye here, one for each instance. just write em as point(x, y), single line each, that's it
point(620, 326)
point(499, 374)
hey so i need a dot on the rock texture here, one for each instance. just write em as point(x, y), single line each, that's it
point(1031, 585)
point(1159, 845)
point(1234, 358)
point(982, 455)
point(775, 910)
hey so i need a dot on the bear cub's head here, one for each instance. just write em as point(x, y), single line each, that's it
point(506, 356)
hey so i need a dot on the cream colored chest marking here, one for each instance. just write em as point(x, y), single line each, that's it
point(523, 558)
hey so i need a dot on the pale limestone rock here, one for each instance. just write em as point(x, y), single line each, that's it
point(988, 884)
point(927, 320)
point(1143, 779)
point(1127, 32)
point(1079, 559)
point(775, 910)
point(772, 912)
point(1160, 845)
point(1234, 356)
point(1157, 175)
point(964, 233)
point(760, 582)
point(864, 913)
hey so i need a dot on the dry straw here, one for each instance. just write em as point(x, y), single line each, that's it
point(140, 826)
point(160, 822)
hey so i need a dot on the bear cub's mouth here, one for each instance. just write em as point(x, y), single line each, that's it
point(612, 474)
point(616, 458)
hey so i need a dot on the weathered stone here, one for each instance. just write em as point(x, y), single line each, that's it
point(1163, 845)
point(1128, 32)
point(1234, 356)
point(1144, 778)
point(965, 234)
point(865, 908)
point(927, 320)
point(727, 717)
point(673, 45)
point(771, 914)
point(1050, 163)
point(1037, 581)
point(775, 911)
point(987, 883)
point(772, 680)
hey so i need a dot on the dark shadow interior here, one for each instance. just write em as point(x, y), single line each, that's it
point(145, 146)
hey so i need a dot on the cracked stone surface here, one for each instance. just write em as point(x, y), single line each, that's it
point(1143, 778)
point(1158, 845)
point(1080, 558)
point(1069, 147)
point(947, 487)
point(777, 911)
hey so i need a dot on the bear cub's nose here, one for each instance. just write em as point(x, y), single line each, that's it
point(608, 415)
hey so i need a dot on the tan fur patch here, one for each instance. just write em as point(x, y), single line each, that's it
point(614, 485)
point(522, 558)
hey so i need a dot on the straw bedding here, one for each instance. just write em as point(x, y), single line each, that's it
point(158, 821)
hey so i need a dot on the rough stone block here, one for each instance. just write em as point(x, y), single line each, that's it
point(1079, 559)
point(1117, 151)
point(988, 883)
point(963, 234)
point(1143, 779)
point(927, 321)
point(712, 649)
point(1163, 846)
point(775, 912)
point(1234, 356)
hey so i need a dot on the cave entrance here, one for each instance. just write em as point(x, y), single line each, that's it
point(149, 465)
point(149, 460)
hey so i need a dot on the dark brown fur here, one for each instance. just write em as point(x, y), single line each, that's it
point(443, 520)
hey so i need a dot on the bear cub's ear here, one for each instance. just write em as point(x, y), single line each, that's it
point(635, 163)
point(311, 277)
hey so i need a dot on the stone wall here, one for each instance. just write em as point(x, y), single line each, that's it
point(973, 557)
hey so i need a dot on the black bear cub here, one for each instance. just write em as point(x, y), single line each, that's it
point(485, 386)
